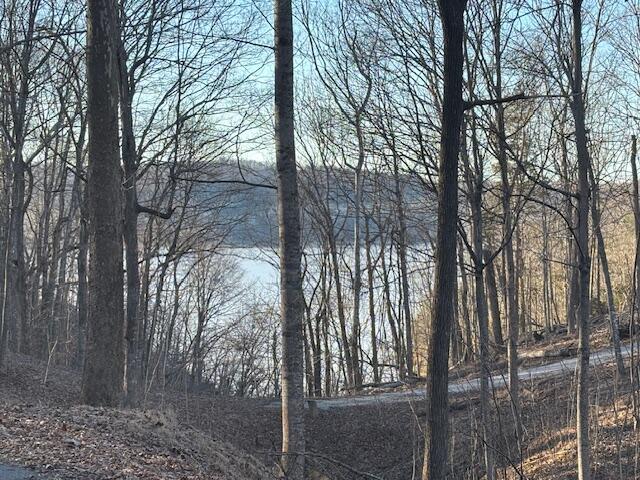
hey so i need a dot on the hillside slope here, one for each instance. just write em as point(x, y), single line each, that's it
point(198, 436)
point(41, 427)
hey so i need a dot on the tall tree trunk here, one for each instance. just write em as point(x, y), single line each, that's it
point(464, 301)
point(635, 201)
point(103, 378)
point(474, 179)
point(372, 308)
point(437, 429)
point(14, 298)
point(16, 273)
point(308, 349)
point(196, 361)
point(17, 293)
point(604, 261)
point(4, 270)
point(584, 262)
point(149, 251)
point(130, 164)
point(475, 185)
point(456, 346)
point(328, 372)
point(14, 301)
point(357, 277)
point(333, 250)
point(571, 260)
point(483, 328)
point(4, 240)
point(507, 232)
point(324, 325)
point(404, 275)
point(82, 297)
point(317, 354)
point(397, 342)
point(291, 301)
point(494, 304)
point(79, 199)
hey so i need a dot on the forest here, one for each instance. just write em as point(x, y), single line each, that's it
point(319, 239)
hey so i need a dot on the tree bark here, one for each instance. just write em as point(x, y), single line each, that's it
point(130, 164)
point(4, 265)
point(475, 185)
point(357, 274)
point(82, 296)
point(372, 308)
point(402, 254)
point(571, 261)
point(584, 262)
point(437, 429)
point(397, 341)
point(635, 201)
point(614, 324)
point(103, 378)
point(16, 275)
point(291, 301)
point(483, 328)
point(494, 304)
point(507, 232)
point(333, 250)
point(464, 301)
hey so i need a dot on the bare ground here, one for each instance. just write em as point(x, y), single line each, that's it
point(41, 426)
point(188, 436)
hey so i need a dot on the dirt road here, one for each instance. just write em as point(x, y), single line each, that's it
point(559, 367)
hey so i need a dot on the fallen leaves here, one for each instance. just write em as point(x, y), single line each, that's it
point(91, 443)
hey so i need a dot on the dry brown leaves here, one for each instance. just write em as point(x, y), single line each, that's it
point(94, 443)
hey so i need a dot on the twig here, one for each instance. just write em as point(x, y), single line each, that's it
point(469, 104)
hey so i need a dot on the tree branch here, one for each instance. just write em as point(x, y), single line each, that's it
point(240, 182)
point(151, 211)
point(469, 104)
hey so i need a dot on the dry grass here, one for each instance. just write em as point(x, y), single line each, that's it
point(615, 454)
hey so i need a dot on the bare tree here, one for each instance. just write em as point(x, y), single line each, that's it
point(291, 300)
point(103, 377)
point(582, 239)
point(443, 314)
